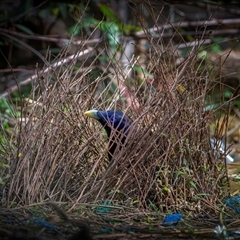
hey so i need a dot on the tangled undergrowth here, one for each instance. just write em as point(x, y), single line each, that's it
point(167, 166)
point(59, 155)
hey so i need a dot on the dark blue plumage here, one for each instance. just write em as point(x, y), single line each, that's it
point(116, 124)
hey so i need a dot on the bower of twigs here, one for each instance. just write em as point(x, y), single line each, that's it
point(59, 155)
point(167, 164)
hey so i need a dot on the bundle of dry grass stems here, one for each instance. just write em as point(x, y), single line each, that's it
point(62, 156)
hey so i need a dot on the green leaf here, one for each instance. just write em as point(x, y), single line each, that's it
point(126, 28)
point(141, 70)
point(166, 189)
point(44, 12)
point(24, 29)
point(63, 9)
point(135, 201)
point(55, 11)
point(112, 32)
point(227, 94)
point(28, 4)
point(193, 184)
point(218, 40)
point(109, 13)
point(154, 207)
point(216, 48)
point(203, 194)
point(89, 22)
point(75, 30)
point(202, 55)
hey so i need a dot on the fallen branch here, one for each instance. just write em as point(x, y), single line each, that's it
point(79, 55)
point(205, 23)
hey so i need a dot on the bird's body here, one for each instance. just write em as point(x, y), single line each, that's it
point(116, 124)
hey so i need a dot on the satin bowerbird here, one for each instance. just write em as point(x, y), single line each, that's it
point(117, 126)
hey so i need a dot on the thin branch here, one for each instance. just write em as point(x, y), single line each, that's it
point(15, 70)
point(26, 46)
point(79, 55)
point(51, 38)
point(214, 7)
point(211, 22)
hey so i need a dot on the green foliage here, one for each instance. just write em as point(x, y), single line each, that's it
point(3, 164)
point(108, 13)
point(8, 115)
point(216, 46)
point(111, 18)
point(62, 9)
point(112, 33)
point(75, 29)
point(228, 95)
point(55, 9)
point(155, 209)
point(202, 54)
point(24, 29)
point(7, 112)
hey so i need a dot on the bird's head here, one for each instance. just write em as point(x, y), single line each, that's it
point(111, 119)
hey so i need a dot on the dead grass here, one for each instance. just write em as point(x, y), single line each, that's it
point(168, 163)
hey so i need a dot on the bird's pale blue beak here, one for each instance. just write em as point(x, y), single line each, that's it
point(91, 114)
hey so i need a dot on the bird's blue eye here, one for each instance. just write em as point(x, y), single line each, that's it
point(111, 119)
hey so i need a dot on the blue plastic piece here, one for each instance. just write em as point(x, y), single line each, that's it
point(42, 223)
point(104, 208)
point(234, 203)
point(172, 219)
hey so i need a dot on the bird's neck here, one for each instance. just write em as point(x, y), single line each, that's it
point(116, 139)
point(117, 134)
